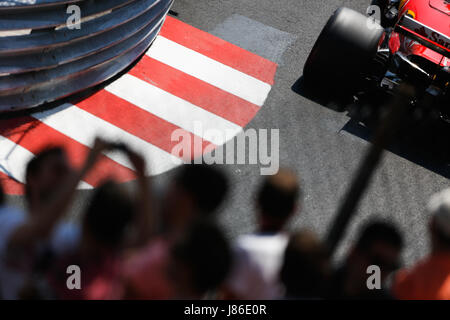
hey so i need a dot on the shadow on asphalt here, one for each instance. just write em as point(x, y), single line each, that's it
point(421, 139)
point(325, 99)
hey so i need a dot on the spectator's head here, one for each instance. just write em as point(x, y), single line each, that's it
point(277, 200)
point(108, 216)
point(306, 267)
point(200, 260)
point(380, 244)
point(196, 191)
point(439, 208)
point(45, 173)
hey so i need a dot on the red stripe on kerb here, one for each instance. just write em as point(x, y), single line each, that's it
point(136, 121)
point(195, 91)
point(219, 50)
point(11, 186)
point(34, 136)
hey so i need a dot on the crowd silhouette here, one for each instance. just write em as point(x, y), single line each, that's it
point(142, 245)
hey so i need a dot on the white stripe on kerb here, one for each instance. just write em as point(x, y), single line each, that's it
point(83, 127)
point(172, 108)
point(14, 159)
point(209, 70)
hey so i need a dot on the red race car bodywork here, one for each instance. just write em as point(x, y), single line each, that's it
point(424, 29)
point(365, 56)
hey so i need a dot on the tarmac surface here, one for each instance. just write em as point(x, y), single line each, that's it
point(322, 144)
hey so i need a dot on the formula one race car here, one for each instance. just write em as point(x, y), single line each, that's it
point(410, 43)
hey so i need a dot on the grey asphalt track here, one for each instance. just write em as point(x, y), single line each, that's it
point(317, 142)
point(320, 144)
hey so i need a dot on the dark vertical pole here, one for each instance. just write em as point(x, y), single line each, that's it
point(383, 135)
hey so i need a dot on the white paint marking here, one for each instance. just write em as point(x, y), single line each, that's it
point(209, 70)
point(14, 159)
point(83, 127)
point(171, 108)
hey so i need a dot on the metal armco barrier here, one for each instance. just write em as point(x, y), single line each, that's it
point(43, 60)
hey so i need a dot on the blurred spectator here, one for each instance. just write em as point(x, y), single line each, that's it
point(197, 190)
point(195, 193)
point(50, 184)
point(44, 173)
point(3, 208)
point(276, 203)
point(104, 227)
point(379, 244)
point(2, 197)
point(199, 261)
point(125, 250)
point(114, 221)
point(305, 268)
point(430, 278)
point(245, 280)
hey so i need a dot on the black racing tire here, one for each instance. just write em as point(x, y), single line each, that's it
point(341, 56)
